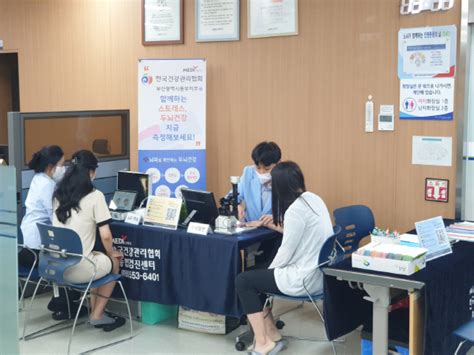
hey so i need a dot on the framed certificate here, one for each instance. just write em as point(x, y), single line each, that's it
point(269, 18)
point(162, 22)
point(217, 20)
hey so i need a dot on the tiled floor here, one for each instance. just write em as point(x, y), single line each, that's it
point(165, 338)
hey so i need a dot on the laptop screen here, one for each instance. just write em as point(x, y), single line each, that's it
point(123, 200)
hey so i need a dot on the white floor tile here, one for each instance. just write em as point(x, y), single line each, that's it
point(165, 338)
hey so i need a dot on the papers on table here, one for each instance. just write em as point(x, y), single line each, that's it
point(461, 231)
point(410, 240)
point(433, 236)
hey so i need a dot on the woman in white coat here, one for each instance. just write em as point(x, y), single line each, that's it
point(48, 165)
point(306, 226)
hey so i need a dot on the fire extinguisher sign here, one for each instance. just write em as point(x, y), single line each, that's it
point(436, 190)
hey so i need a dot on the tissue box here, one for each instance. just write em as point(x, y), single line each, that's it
point(390, 265)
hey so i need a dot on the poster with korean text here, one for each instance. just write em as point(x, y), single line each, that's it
point(172, 124)
point(427, 52)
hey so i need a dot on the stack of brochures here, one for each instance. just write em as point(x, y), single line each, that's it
point(393, 258)
point(461, 231)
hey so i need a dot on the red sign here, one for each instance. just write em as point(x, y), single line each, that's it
point(436, 190)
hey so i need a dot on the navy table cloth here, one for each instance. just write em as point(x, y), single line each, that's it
point(175, 267)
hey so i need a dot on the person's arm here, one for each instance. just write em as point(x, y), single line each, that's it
point(47, 200)
point(107, 242)
point(293, 230)
point(103, 219)
point(267, 221)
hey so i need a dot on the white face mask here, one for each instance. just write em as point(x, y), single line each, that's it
point(264, 178)
point(59, 173)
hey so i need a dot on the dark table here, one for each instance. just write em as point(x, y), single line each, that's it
point(444, 285)
point(195, 271)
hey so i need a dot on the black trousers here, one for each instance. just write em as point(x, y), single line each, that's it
point(26, 258)
point(252, 288)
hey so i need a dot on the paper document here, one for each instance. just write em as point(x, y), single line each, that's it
point(433, 236)
point(461, 231)
point(435, 151)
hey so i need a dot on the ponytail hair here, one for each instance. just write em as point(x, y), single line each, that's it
point(76, 184)
point(47, 156)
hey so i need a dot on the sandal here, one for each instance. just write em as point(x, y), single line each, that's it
point(119, 321)
point(112, 322)
point(281, 340)
point(276, 349)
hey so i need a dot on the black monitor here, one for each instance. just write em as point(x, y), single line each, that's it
point(135, 181)
point(203, 203)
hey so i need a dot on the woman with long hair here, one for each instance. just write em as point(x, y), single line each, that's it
point(48, 165)
point(306, 226)
point(82, 208)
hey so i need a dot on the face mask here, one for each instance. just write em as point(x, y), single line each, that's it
point(264, 178)
point(59, 173)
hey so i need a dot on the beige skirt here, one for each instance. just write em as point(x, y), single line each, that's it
point(82, 272)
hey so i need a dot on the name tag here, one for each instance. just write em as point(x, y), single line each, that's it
point(133, 218)
point(199, 228)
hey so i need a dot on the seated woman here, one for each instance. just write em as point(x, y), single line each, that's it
point(82, 208)
point(48, 165)
point(306, 226)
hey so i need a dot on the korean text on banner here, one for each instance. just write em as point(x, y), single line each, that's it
point(172, 124)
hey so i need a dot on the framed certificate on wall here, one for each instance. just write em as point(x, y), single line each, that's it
point(217, 20)
point(270, 18)
point(162, 22)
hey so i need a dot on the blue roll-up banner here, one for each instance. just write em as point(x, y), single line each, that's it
point(172, 124)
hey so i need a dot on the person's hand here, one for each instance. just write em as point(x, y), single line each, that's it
point(116, 254)
point(254, 224)
point(266, 219)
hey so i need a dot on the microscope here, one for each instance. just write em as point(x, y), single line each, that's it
point(229, 211)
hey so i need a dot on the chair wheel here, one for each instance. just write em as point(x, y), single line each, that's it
point(279, 324)
point(240, 346)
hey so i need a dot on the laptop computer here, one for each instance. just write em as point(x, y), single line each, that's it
point(122, 203)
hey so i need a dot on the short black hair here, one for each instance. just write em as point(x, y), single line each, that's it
point(266, 153)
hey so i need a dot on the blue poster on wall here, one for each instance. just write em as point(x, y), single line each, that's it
point(427, 52)
point(172, 124)
point(426, 68)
